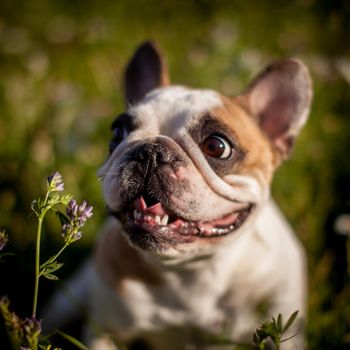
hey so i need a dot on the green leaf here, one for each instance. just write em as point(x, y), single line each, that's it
point(66, 198)
point(279, 323)
point(72, 340)
point(53, 200)
point(51, 266)
point(49, 276)
point(290, 321)
point(48, 268)
point(38, 205)
point(45, 347)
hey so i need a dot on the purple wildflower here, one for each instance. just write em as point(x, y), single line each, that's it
point(55, 182)
point(77, 216)
point(81, 212)
point(3, 240)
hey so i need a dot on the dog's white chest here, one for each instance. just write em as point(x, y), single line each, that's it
point(140, 308)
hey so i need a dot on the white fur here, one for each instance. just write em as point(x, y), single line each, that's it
point(171, 111)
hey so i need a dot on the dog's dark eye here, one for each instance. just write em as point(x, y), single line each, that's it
point(121, 128)
point(217, 147)
point(119, 134)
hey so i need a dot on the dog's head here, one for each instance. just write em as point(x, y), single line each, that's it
point(188, 167)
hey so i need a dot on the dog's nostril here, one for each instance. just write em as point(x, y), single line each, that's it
point(154, 153)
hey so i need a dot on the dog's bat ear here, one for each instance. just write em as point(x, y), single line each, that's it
point(279, 98)
point(145, 72)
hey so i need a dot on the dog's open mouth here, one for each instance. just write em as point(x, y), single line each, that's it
point(155, 218)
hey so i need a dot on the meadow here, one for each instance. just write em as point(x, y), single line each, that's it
point(61, 72)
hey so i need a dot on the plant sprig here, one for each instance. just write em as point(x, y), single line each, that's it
point(72, 221)
point(25, 334)
point(273, 331)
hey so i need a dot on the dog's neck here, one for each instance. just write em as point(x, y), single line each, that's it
point(117, 260)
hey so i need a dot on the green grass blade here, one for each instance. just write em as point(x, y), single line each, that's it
point(72, 340)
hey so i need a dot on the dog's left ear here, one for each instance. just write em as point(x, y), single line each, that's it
point(279, 99)
point(145, 72)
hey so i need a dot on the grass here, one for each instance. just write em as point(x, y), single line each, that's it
point(61, 66)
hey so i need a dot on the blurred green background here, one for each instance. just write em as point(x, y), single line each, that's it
point(61, 67)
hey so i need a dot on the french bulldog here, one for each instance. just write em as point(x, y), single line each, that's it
point(195, 249)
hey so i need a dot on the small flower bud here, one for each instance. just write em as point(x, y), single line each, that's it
point(55, 182)
point(72, 209)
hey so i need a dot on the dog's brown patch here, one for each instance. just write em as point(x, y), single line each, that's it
point(260, 159)
point(118, 261)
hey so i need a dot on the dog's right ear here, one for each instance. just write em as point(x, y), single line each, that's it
point(145, 72)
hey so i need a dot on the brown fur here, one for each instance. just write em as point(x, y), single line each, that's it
point(261, 159)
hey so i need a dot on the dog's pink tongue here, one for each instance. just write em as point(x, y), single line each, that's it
point(156, 209)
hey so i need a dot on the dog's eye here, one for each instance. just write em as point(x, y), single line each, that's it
point(217, 147)
point(119, 134)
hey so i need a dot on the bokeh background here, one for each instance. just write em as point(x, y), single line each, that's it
point(61, 68)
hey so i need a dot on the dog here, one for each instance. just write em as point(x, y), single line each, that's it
point(194, 247)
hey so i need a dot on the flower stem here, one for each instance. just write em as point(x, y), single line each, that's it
point(53, 258)
point(60, 252)
point(37, 264)
point(37, 251)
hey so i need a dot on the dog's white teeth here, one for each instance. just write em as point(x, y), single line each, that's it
point(164, 220)
point(137, 215)
point(150, 218)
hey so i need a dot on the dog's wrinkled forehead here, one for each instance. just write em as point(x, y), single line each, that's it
point(172, 109)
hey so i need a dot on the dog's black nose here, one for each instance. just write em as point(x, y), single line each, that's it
point(154, 155)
